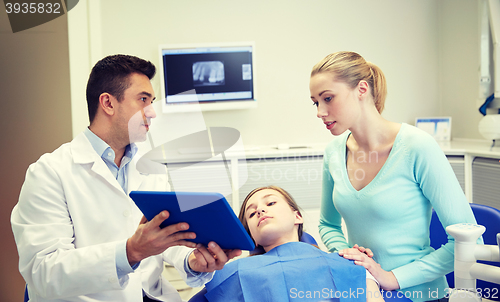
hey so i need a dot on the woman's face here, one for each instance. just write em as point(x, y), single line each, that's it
point(338, 104)
point(271, 220)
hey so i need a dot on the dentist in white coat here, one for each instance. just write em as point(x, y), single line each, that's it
point(79, 235)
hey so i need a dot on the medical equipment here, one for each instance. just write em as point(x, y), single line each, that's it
point(489, 71)
point(467, 252)
point(489, 126)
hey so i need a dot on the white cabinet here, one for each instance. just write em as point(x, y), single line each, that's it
point(486, 181)
point(299, 175)
point(298, 172)
point(476, 166)
point(457, 163)
point(203, 176)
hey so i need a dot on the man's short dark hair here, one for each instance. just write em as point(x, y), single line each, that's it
point(111, 75)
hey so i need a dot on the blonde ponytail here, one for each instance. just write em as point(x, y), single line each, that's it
point(379, 86)
point(350, 67)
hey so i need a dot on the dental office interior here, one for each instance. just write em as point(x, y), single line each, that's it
point(429, 50)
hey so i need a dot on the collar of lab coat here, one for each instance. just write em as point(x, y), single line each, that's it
point(83, 153)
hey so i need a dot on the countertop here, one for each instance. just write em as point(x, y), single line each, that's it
point(460, 147)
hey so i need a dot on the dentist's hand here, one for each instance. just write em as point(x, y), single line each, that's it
point(211, 258)
point(149, 239)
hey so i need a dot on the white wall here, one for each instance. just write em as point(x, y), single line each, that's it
point(459, 64)
point(291, 36)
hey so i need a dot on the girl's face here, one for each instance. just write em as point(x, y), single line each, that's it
point(338, 104)
point(271, 220)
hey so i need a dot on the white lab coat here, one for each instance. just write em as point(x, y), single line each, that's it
point(70, 215)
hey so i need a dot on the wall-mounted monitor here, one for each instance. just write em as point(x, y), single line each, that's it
point(207, 76)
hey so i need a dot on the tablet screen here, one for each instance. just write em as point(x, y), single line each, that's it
point(208, 214)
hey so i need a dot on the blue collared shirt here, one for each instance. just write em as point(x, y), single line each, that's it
point(108, 156)
point(121, 175)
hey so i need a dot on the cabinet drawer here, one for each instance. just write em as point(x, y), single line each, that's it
point(486, 181)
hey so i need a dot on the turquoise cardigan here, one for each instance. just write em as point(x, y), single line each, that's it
point(391, 215)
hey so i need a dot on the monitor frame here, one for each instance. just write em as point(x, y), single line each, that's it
point(230, 104)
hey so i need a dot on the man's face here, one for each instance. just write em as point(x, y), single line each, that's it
point(134, 112)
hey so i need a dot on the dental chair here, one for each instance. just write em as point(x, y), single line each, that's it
point(200, 296)
point(489, 218)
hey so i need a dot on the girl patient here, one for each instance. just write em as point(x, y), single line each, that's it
point(287, 270)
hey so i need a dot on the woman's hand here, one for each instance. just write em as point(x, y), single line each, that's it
point(364, 250)
point(363, 257)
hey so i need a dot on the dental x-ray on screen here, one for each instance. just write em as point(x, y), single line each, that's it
point(215, 76)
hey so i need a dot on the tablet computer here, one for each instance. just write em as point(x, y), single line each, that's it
point(208, 214)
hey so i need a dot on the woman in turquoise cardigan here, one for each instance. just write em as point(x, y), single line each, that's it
point(383, 178)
